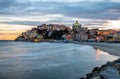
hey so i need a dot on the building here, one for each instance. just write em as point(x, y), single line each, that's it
point(79, 32)
point(92, 34)
point(105, 34)
point(114, 37)
point(118, 36)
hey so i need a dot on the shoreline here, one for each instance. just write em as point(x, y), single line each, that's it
point(112, 68)
point(111, 48)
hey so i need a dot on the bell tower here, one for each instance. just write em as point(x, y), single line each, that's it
point(77, 26)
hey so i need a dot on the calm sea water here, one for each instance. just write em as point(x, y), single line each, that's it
point(26, 60)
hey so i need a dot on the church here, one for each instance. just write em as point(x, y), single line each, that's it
point(80, 32)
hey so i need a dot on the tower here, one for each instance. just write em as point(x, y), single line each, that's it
point(77, 26)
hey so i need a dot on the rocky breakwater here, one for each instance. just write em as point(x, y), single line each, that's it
point(110, 70)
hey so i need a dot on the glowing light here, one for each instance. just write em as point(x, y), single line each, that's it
point(115, 24)
point(10, 32)
point(98, 52)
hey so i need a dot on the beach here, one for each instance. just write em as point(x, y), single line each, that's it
point(111, 48)
point(110, 67)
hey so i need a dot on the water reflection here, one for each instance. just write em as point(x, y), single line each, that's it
point(101, 55)
point(49, 60)
point(98, 52)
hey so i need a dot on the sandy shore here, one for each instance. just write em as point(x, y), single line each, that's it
point(111, 48)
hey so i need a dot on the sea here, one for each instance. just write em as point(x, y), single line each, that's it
point(44, 60)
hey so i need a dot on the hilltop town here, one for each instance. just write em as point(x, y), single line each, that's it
point(50, 32)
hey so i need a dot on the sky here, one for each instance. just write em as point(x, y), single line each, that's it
point(17, 16)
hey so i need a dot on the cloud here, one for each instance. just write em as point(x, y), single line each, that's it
point(9, 33)
point(67, 9)
point(97, 9)
point(12, 7)
point(33, 23)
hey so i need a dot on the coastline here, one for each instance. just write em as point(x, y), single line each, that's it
point(111, 48)
point(110, 70)
point(102, 72)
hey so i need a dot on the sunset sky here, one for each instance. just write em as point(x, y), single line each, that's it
point(17, 16)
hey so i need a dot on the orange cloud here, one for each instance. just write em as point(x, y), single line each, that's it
point(9, 35)
point(10, 32)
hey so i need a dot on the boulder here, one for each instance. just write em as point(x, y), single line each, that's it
point(110, 73)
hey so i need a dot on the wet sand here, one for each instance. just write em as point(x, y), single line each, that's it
point(111, 48)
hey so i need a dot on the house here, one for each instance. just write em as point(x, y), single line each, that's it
point(111, 37)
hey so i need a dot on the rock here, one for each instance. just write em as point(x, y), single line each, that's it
point(110, 73)
point(82, 78)
point(110, 70)
point(97, 77)
point(105, 68)
point(117, 66)
point(88, 75)
point(96, 69)
point(109, 63)
point(95, 73)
